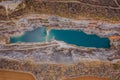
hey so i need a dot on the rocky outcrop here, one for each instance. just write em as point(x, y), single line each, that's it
point(115, 41)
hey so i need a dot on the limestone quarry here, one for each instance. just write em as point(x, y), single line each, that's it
point(57, 60)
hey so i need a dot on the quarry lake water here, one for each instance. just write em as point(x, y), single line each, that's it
point(75, 37)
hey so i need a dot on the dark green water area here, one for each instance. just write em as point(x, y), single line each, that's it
point(75, 37)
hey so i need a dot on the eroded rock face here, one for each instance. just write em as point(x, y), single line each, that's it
point(9, 7)
point(115, 41)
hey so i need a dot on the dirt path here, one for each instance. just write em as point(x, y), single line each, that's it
point(11, 75)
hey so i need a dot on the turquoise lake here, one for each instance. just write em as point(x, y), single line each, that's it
point(36, 35)
point(75, 37)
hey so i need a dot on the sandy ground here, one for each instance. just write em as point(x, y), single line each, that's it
point(87, 78)
point(11, 75)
